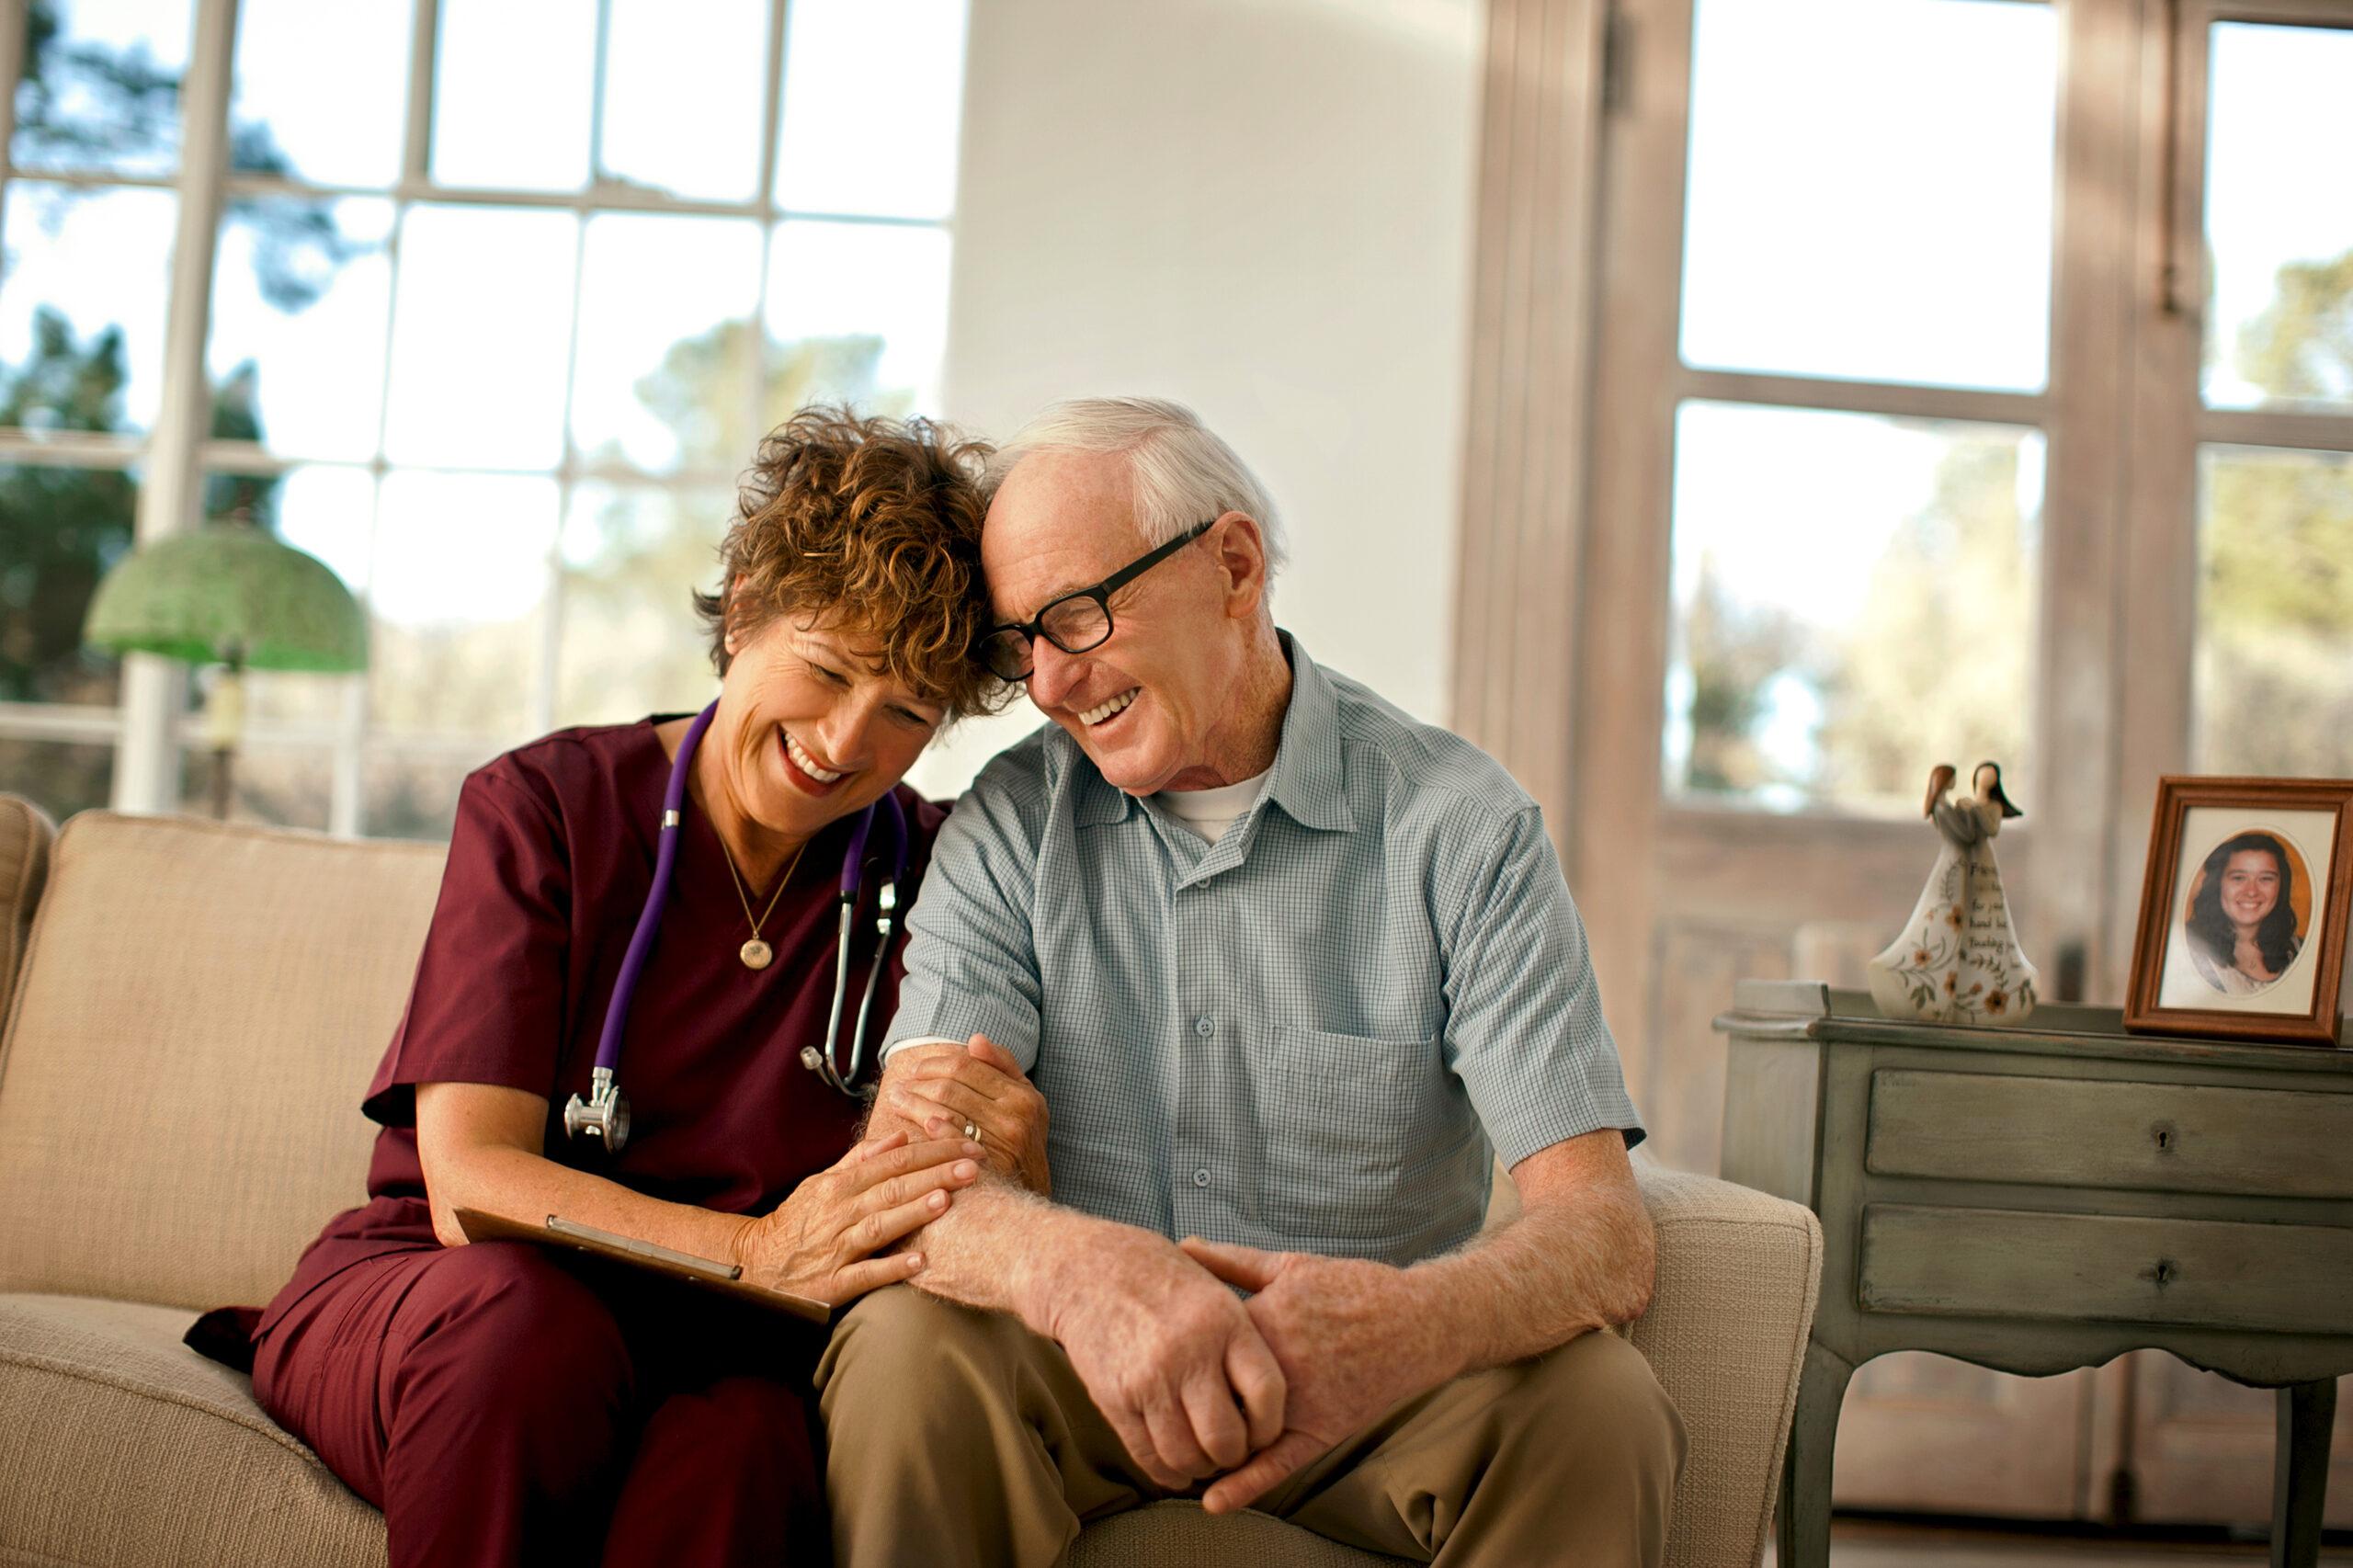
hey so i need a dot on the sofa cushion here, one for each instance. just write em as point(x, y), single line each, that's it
point(119, 1444)
point(199, 1013)
point(24, 836)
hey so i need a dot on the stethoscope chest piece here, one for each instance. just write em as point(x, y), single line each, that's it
point(603, 1116)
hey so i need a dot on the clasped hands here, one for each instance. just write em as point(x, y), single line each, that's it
point(1199, 1383)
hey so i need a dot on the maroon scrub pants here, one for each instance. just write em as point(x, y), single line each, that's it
point(504, 1404)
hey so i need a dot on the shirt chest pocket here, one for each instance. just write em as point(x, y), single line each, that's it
point(1350, 1117)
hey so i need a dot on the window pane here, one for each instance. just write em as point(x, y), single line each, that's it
point(1870, 190)
point(632, 643)
point(459, 600)
point(682, 96)
point(515, 80)
point(1854, 602)
point(299, 302)
point(320, 91)
point(82, 306)
point(100, 88)
point(2280, 217)
point(60, 529)
point(278, 786)
point(872, 92)
point(59, 777)
point(324, 512)
point(413, 795)
point(294, 696)
point(2274, 686)
point(667, 310)
point(858, 311)
point(329, 513)
point(481, 325)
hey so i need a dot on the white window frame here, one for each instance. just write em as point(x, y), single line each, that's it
point(177, 454)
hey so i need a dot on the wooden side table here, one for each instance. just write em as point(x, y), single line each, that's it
point(2041, 1199)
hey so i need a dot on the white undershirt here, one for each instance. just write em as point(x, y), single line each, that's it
point(1209, 813)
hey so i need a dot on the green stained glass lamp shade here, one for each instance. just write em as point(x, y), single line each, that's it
point(228, 593)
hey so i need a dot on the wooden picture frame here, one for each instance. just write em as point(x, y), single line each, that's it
point(2233, 960)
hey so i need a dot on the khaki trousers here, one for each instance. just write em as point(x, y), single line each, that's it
point(959, 1437)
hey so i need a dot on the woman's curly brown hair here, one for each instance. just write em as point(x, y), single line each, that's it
point(875, 521)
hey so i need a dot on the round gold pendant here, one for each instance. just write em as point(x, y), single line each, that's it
point(756, 954)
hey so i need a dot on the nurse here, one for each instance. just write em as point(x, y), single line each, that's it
point(501, 1402)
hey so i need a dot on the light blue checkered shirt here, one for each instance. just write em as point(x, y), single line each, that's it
point(1312, 1035)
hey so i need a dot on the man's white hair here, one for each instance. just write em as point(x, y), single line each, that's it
point(1182, 473)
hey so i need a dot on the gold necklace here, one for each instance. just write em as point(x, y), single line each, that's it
point(755, 953)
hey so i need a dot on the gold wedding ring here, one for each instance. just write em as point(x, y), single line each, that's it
point(972, 1133)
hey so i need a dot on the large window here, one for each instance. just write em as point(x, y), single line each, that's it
point(1866, 388)
point(2274, 672)
point(502, 293)
point(1865, 341)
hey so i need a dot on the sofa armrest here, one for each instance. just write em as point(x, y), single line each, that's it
point(25, 834)
point(1738, 1276)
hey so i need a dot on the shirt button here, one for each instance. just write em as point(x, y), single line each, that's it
point(1200, 1178)
point(1203, 1027)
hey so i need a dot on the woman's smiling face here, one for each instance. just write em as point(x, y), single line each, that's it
point(2250, 887)
point(812, 726)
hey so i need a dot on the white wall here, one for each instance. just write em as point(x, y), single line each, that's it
point(1262, 209)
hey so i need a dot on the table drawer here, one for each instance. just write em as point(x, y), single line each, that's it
point(2083, 1133)
point(2104, 1268)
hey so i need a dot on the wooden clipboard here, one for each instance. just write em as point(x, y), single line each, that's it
point(725, 1278)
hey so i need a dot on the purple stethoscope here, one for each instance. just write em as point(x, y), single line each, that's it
point(604, 1115)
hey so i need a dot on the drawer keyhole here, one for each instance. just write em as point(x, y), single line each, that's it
point(2165, 1272)
point(2166, 1136)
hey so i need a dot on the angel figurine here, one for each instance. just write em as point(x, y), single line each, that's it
point(1958, 961)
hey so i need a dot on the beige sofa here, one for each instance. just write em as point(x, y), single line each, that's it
point(189, 1028)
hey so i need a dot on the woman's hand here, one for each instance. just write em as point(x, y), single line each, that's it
point(946, 1088)
point(821, 1242)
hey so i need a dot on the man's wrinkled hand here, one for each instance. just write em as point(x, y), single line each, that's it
point(1171, 1358)
point(1352, 1343)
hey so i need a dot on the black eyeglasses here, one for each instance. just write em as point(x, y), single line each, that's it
point(1077, 621)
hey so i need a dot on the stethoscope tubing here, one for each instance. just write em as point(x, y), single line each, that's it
point(826, 1064)
point(657, 897)
point(605, 1114)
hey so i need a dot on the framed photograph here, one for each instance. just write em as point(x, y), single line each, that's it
point(2243, 910)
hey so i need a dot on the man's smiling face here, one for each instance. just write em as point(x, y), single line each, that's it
point(1146, 705)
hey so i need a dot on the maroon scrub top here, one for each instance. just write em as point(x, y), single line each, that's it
point(550, 863)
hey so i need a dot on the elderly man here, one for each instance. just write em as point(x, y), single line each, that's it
point(1289, 970)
